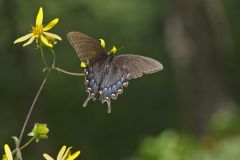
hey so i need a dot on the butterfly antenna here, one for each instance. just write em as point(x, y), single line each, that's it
point(120, 48)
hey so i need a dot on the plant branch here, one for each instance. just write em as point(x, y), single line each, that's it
point(23, 146)
point(32, 107)
point(66, 72)
point(43, 58)
point(54, 56)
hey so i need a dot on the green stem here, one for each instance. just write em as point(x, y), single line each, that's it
point(54, 56)
point(67, 72)
point(43, 58)
point(23, 146)
point(61, 70)
point(18, 148)
point(26, 144)
point(32, 106)
point(19, 154)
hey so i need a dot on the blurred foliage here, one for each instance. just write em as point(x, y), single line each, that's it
point(222, 142)
point(225, 123)
point(172, 145)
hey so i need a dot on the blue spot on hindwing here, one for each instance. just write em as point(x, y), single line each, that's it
point(114, 89)
point(119, 85)
point(109, 91)
point(123, 79)
point(91, 84)
point(95, 87)
point(105, 92)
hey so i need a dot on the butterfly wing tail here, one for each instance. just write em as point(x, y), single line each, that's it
point(87, 100)
point(109, 106)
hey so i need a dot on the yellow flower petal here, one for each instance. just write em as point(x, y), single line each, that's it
point(8, 152)
point(74, 156)
point(39, 18)
point(47, 157)
point(4, 157)
point(23, 38)
point(60, 154)
point(29, 41)
point(102, 43)
point(53, 35)
point(45, 41)
point(51, 24)
point(83, 65)
point(66, 153)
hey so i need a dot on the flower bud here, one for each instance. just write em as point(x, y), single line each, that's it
point(39, 131)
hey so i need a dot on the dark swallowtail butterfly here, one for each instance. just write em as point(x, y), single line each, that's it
point(107, 74)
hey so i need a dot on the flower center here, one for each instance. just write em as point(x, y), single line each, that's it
point(37, 30)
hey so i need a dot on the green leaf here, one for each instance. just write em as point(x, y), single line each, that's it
point(16, 140)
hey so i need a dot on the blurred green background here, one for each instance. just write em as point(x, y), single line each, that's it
point(196, 96)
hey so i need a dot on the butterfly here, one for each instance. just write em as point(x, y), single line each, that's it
point(106, 74)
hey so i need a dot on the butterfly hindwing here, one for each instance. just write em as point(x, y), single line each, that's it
point(94, 76)
point(134, 66)
point(106, 79)
point(113, 82)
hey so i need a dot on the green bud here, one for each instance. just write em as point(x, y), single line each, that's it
point(39, 131)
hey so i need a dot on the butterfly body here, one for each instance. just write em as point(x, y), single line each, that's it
point(107, 74)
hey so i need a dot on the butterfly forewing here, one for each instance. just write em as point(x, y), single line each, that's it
point(134, 66)
point(88, 49)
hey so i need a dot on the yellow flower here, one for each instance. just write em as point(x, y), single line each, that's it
point(102, 42)
point(83, 65)
point(4, 157)
point(8, 153)
point(113, 50)
point(39, 32)
point(73, 156)
point(64, 154)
